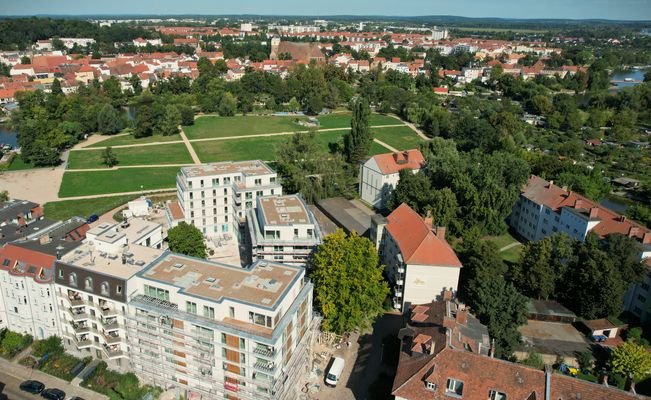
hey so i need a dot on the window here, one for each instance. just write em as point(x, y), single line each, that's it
point(645, 286)
point(208, 312)
point(104, 289)
point(157, 293)
point(118, 290)
point(227, 180)
point(191, 307)
point(259, 193)
point(495, 395)
point(88, 283)
point(60, 274)
point(454, 387)
point(72, 279)
point(258, 182)
point(231, 312)
point(641, 298)
point(430, 386)
point(242, 343)
point(272, 180)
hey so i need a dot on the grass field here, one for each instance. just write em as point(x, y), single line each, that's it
point(505, 29)
point(400, 137)
point(86, 183)
point(342, 120)
point(213, 126)
point(129, 139)
point(64, 209)
point(173, 153)
point(17, 164)
point(377, 149)
point(512, 255)
point(502, 240)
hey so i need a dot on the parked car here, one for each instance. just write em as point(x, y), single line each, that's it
point(34, 387)
point(92, 219)
point(53, 394)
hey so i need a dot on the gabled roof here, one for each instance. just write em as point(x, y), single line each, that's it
point(391, 163)
point(417, 243)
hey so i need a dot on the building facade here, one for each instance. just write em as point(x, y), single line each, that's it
point(215, 197)
point(282, 229)
point(215, 331)
point(379, 175)
point(420, 264)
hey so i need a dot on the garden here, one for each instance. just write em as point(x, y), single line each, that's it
point(118, 386)
point(12, 343)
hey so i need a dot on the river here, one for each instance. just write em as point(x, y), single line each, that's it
point(635, 74)
point(8, 136)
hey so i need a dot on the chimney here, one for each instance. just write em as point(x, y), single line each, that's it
point(548, 382)
point(491, 351)
point(447, 295)
point(622, 218)
point(462, 317)
point(578, 203)
point(646, 239)
point(594, 212)
point(551, 183)
point(44, 239)
point(633, 231)
point(440, 233)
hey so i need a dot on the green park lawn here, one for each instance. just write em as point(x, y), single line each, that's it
point(86, 183)
point(377, 148)
point(342, 120)
point(18, 164)
point(172, 153)
point(214, 127)
point(64, 209)
point(400, 137)
point(129, 139)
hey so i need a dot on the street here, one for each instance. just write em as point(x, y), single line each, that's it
point(9, 389)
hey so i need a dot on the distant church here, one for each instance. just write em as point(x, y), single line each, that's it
point(301, 52)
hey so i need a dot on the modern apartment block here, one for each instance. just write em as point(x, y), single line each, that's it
point(420, 264)
point(91, 283)
point(544, 209)
point(213, 331)
point(215, 197)
point(27, 299)
point(282, 229)
point(380, 174)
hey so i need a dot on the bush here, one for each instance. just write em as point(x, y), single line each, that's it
point(585, 361)
point(534, 360)
point(12, 343)
point(62, 366)
point(51, 346)
point(115, 385)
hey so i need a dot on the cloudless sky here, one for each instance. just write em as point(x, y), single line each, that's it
point(576, 9)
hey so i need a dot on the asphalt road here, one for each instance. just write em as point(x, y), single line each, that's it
point(9, 389)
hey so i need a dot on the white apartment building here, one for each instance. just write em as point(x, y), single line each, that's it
point(544, 209)
point(91, 287)
point(282, 229)
point(215, 197)
point(114, 238)
point(379, 175)
point(420, 264)
point(212, 330)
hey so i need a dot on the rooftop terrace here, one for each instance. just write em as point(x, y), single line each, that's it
point(247, 168)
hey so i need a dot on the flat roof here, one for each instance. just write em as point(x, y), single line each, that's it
point(10, 209)
point(548, 307)
point(251, 168)
point(87, 257)
point(137, 229)
point(263, 283)
point(283, 210)
point(349, 215)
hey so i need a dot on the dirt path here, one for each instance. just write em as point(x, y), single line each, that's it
point(95, 139)
point(130, 145)
point(381, 143)
point(193, 153)
point(510, 246)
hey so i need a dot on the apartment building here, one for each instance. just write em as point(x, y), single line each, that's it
point(282, 229)
point(544, 209)
point(215, 197)
point(379, 175)
point(27, 302)
point(420, 264)
point(212, 330)
point(91, 284)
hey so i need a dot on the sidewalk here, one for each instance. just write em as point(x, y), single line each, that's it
point(23, 373)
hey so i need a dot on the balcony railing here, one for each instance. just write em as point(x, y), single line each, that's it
point(263, 365)
point(264, 351)
point(112, 339)
point(78, 315)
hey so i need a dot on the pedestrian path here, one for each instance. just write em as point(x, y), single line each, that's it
point(381, 143)
point(510, 246)
point(193, 153)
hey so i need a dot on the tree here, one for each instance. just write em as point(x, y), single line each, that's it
point(108, 157)
point(187, 239)
point(348, 284)
point(136, 84)
point(25, 60)
point(144, 125)
point(51, 346)
point(12, 342)
point(56, 87)
point(357, 143)
point(631, 360)
point(169, 123)
point(413, 189)
point(109, 120)
point(4, 195)
point(294, 105)
point(227, 105)
point(187, 114)
point(534, 360)
point(444, 209)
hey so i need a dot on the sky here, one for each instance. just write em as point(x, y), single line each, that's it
point(574, 9)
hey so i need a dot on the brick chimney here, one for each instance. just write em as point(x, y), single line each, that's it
point(551, 183)
point(462, 317)
point(44, 239)
point(594, 212)
point(440, 232)
point(633, 231)
point(447, 295)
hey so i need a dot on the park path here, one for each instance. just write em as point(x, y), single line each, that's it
point(381, 143)
point(510, 246)
point(97, 196)
point(126, 167)
point(412, 127)
point(118, 146)
point(188, 145)
point(95, 139)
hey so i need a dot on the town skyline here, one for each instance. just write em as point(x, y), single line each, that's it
point(626, 10)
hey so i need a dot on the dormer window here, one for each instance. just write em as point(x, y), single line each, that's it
point(88, 284)
point(431, 386)
point(495, 395)
point(104, 289)
point(454, 387)
point(72, 279)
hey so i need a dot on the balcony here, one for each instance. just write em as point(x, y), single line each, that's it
point(79, 329)
point(110, 339)
point(110, 324)
point(264, 351)
point(401, 269)
point(400, 282)
point(109, 312)
point(113, 351)
point(78, 314)
point(264, 365)
point(83, 342)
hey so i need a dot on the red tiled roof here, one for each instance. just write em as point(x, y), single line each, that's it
point(391, 163)
point(417, 243)
point(31, 257)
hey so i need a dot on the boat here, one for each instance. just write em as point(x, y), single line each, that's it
point(629, 79)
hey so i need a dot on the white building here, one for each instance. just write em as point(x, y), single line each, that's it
point(282, 229)
point(211, 330)
point(420, 264)
point(439, 34)
point(140, 42)
point(114, 238)
point(215, 197)
point(379, 175)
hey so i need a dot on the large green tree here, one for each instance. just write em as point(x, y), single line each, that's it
point(631, 360)
point(108, 157)
point(187, 239)
point(227, 105)
point(357, 143)
point(109, 120)
point(169, 123)
point(145, 121)
point(413, 189)
point(348, 284)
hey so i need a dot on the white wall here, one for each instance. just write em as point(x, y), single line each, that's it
point(423, 283)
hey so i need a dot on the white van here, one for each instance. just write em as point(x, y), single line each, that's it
point(334, 373)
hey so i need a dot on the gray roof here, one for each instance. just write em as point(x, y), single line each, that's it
point(548, 307)
point(346, 214)
point(10, 209)
point(57, 233)
point(12, 232)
